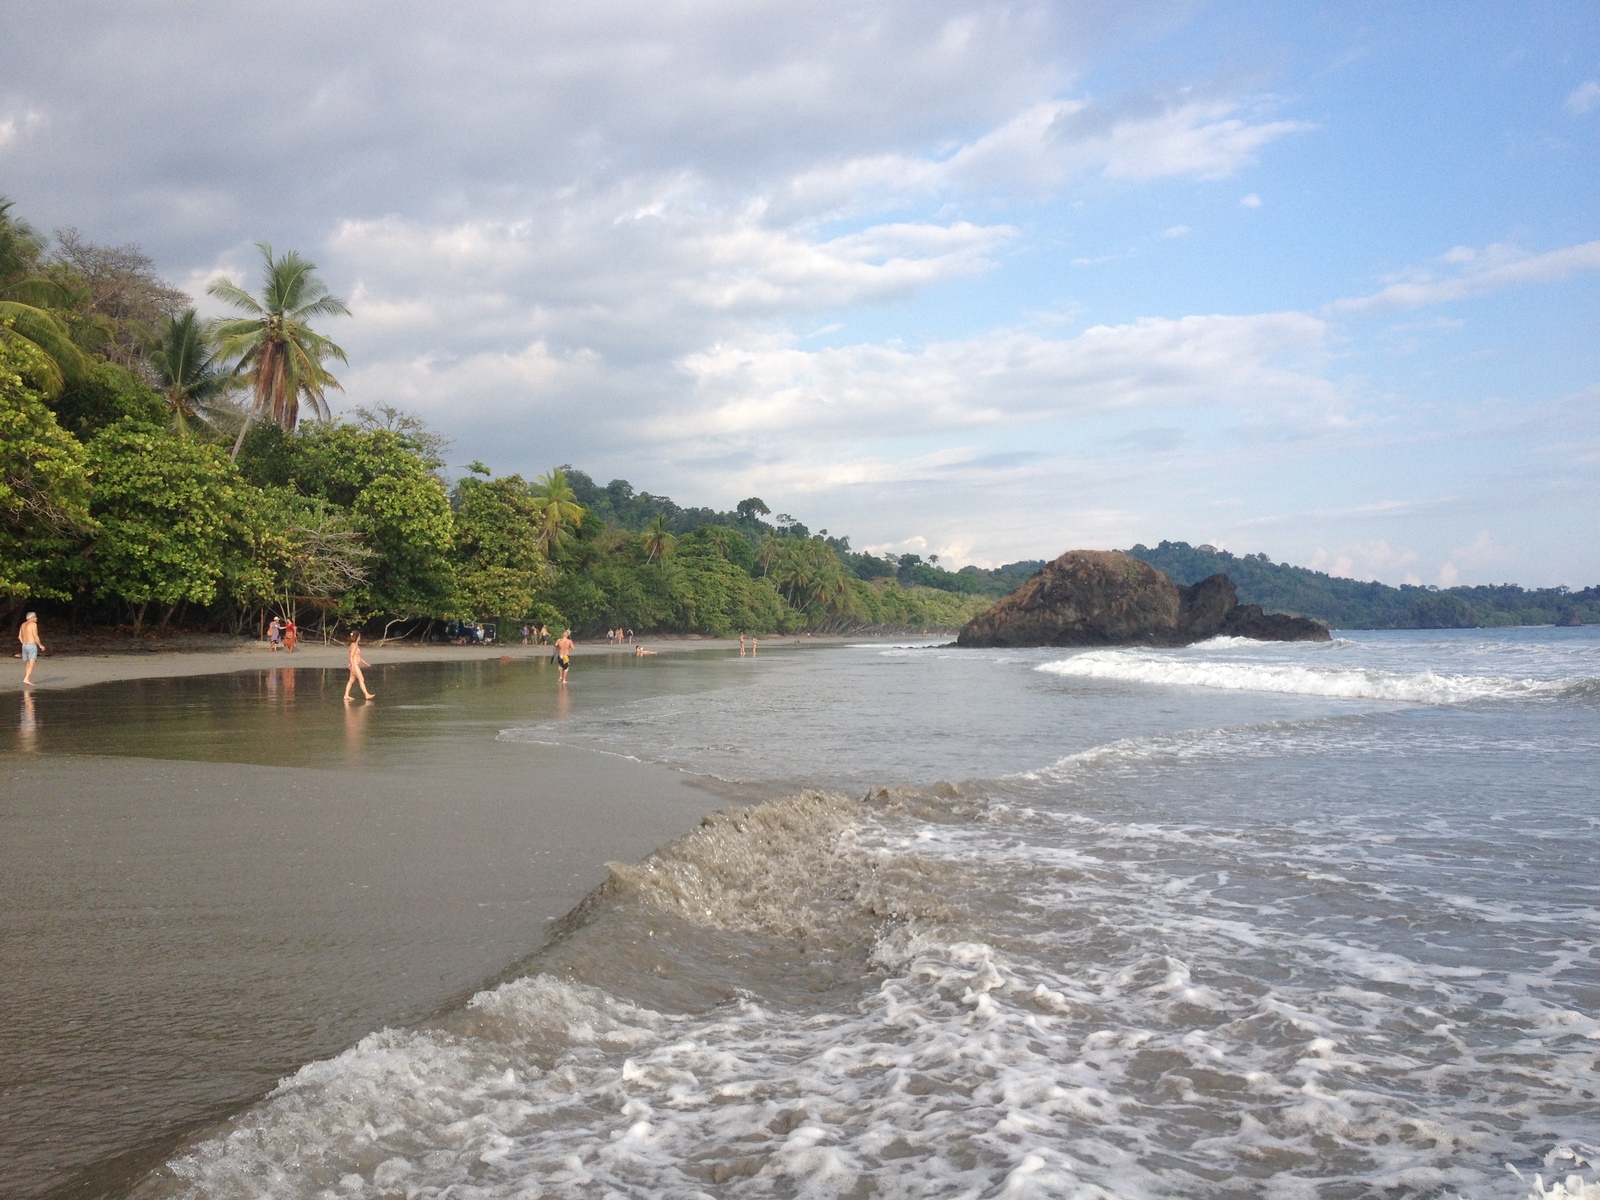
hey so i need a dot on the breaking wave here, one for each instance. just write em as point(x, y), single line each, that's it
point(1424, 687)
point(929, 993)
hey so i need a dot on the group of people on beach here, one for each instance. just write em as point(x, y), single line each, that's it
point(282, 635)
point(540, 635)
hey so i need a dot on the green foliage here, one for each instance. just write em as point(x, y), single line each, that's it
point(397, 505)
point(31, 307)
point(723, 597)
point(1349, 604)
point(105, 395)
point(500, 566)
point(556, 507)
point(189, 376)
point(172, 517)
point(44, 490)
point(303, 550)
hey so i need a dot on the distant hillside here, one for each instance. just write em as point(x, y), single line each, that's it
point(1349, 604)
point(617, 503)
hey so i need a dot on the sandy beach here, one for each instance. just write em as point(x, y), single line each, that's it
point(213, 871)
point(73, 668)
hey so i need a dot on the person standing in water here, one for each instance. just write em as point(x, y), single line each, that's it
point(28, 635)
point(356, 663)
point(564, 654)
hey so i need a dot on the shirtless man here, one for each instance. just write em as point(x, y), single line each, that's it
point(28, 635)
point(356, 663)
point(564, 654)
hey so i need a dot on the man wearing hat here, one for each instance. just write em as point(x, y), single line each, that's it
point(28, 635)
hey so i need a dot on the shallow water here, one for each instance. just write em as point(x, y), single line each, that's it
point(1235, 920)
point(206, 882)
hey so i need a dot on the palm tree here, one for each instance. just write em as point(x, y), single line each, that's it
point(188, 374)
point(275, 351)
point(25, 302)
point(555, 505)
point(658, 539)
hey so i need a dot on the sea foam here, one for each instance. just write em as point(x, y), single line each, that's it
point(1425, 687)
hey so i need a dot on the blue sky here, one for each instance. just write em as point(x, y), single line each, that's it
point(991, 280)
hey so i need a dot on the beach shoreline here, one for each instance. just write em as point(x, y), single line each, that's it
point(212, 881)
point(74, 667)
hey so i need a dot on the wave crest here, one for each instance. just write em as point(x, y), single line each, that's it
point(1345, 683)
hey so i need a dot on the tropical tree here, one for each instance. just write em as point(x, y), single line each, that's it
point(274, 349)
point(555, 506)
point(658, 539)
point(809, 575)
point(172, 515)
point(188, 374)
point(44, 489)
point(26, 300)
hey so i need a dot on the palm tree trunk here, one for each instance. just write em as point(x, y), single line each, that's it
point(243, 429)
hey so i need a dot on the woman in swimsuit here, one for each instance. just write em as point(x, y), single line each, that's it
point(356, 663)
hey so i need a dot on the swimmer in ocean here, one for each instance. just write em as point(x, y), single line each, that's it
point(564, 654)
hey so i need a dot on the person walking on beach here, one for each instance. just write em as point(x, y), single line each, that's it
point(291, 635)
point(28, 635)
point(274, 633)
point(564, 654)
point(544, 635)
point(356, 663)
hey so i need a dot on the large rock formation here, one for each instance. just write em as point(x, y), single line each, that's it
point(1107, 598)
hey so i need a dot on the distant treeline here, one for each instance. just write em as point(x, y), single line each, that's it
point(1350, 604)
point(618, 504)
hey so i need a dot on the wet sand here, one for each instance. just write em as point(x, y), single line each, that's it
point(206, 882)
point(79, 669)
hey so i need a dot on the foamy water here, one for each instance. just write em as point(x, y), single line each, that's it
point(1262, 942)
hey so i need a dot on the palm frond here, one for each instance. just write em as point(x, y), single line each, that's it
point(230, 292)
point(47, 332)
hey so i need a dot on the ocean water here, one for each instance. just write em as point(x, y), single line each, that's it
point(1233, 920)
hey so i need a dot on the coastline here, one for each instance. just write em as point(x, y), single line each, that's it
point(186, 927)
point(79, 668)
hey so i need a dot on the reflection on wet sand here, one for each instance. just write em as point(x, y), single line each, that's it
point(207, 881)
point(28, 725)
point(279, 685)
point(355, 728)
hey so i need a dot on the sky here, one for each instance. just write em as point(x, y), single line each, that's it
point(983, 280)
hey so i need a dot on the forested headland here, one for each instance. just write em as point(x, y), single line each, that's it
point(155, 473)
point(1349, 604)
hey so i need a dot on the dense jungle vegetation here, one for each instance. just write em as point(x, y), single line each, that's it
point(154, 471)
point(1348, 604)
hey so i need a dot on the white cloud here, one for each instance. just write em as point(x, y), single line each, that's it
point(1046, 147)
point(1362, 560)
point(1250, 201)
point(16, 126)
point(1176, 231)
point(1010, 376)
point(1584, 98)
point(1478, 273)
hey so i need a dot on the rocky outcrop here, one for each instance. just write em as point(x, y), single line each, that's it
point(1107, 598)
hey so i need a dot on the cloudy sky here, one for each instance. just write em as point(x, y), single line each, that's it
point(988, 280)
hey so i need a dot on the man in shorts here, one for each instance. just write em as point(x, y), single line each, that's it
point(28, 635)
point(564, 654)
